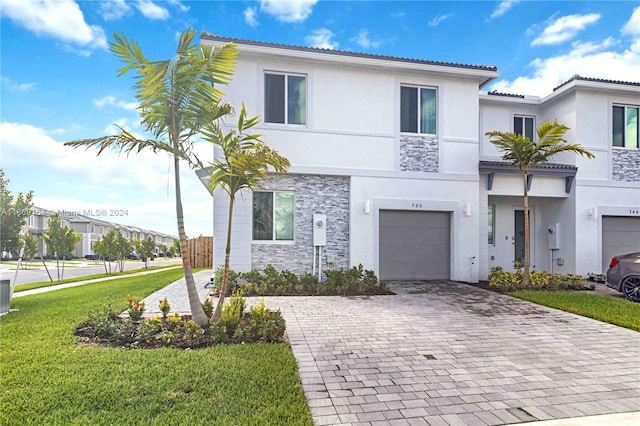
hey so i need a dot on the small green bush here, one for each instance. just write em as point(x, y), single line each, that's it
point(505, 282)
point(350, 282)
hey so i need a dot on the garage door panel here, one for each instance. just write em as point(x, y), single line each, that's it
point(414, 245)
point(415, 235)
point(620, 235)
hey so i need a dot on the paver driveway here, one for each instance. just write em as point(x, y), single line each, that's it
point(452, 354)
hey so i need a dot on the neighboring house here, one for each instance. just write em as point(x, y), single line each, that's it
point(89, 228)
point(392, 152)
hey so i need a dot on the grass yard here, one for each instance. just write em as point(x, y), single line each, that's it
point(604, 308)
point(30, 286)
point(47, 378)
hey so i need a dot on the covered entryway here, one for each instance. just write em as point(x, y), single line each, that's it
point(415, 245)
point(620, 235)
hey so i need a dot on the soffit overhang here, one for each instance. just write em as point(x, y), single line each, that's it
point(566, 171)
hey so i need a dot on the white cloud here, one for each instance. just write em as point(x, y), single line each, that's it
point(60, 19)
point(632, 27)
point(597, 60)
point(77, 179)
point(502, 8)
point(565, 28)
point(322, 39)
point(364, 41)
point(114, 9)
point(151, 10)
point(9, 84)
point(438, 19)
point(178, 4)
point(288, 10)
point(113, 101)
point(250, 16)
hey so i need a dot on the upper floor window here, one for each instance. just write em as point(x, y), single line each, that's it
point(418, 110)
point(626, 126)
point(32, 221)
point(285, 98)
point(273, 216)
point(524, 126)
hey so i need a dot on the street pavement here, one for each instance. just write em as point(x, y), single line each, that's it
point(77, 268)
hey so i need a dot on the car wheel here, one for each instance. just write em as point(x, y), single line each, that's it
point(631, 288)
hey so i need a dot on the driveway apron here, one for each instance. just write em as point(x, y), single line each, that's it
point(443, 353)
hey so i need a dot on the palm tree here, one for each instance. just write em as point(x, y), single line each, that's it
point(526, 154)
point(244, 165)
point(177, 97)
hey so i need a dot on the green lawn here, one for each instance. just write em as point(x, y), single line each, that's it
point(47, 378)
point(613, 310)
point(30, 286)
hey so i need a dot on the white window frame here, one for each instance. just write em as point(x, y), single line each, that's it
point(273, 239)
point(491, 208)
point(419, 106)
point(626, 107)
point(286, 75)
point(524, 117)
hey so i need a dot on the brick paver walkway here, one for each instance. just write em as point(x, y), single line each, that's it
point(452, 354)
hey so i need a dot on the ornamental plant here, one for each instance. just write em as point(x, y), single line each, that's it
point(135, 309)
point(207, 305)
point(164, 307)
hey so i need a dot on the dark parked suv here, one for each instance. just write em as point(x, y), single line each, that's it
point(623, 275)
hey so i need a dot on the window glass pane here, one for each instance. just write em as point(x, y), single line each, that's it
point(517, 125)
point(284, 215)
point(409, 109)
point(297, 99)
point(273, 98)
point(528, 127)
point(262, 215)
point(428, 111)
point(631, 133)
point(490, 233)
point(618, 126)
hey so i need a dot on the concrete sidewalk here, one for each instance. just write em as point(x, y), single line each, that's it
point(84, 282)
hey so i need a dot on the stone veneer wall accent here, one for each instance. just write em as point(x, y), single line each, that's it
point(626, 165)
point(327, 195)
point(419, 154)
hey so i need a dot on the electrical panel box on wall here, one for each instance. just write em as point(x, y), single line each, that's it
point(554, 236)
point(319, 230)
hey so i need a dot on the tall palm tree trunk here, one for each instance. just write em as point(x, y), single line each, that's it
point(197, 312)
point(227, 255)
point(527, 255)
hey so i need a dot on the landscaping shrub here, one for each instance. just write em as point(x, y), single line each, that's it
point(235, 326)
point(270, 282)
point(505, 282)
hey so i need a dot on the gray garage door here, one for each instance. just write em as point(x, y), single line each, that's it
point(620, 235)
point(414, 245)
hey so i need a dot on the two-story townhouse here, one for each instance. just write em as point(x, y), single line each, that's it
point(583, 211)
point(384, 148)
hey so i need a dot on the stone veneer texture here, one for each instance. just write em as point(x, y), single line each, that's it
point(626, 165)
point(327, 195)
point(419, 154)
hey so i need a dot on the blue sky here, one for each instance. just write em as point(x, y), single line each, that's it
point(58, 81)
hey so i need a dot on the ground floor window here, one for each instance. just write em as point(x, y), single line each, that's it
point(273, 215)
point(492, 222)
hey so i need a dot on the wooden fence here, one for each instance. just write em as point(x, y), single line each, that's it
point(201, 252)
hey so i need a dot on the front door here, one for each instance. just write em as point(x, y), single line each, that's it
point(518, 236)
